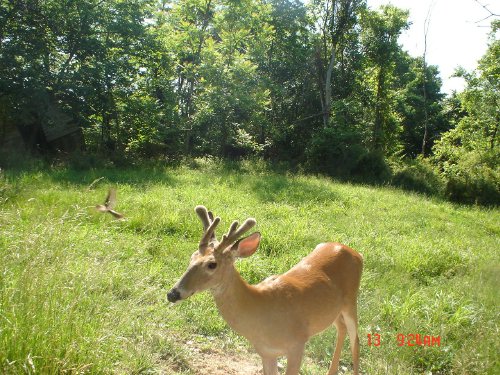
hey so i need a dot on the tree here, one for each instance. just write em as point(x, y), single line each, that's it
point(420, 108)
point(468, 155)
point(287, 71)
point(380, 42)
point(234, 98)
point(217, 46)
point(334, 19)
point(81, 56)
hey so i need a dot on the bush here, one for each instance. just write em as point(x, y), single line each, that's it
point(81, 161)
point(474, 178)
point(335, 152)
point(372, 167)
point(417, 175)
point(21, 160)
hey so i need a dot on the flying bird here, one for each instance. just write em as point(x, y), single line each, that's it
point(109, 204)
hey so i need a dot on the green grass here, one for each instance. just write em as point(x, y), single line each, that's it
point(82, 293)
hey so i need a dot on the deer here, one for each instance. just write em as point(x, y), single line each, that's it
point(280, 314)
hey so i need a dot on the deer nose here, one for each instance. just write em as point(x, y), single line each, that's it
point(173, 295)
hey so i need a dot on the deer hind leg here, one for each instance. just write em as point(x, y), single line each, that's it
point(341, 331)
point(351, 321)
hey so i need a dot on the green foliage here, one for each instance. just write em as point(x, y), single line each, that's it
point(373, 168)
point(380, 32)
point(339, 152)
point(416, 108)
point(324, 87)
point(471, 177)
point(417, 175)
point(335, 152)
point(468, 154)
point(82, 162)
point(220, 97)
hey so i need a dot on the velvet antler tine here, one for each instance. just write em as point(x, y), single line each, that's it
point(232, 228)
point(246, 226)
point(211, 217)
point(233, 234)
point(208, 235)
point(209, 225)
point(202, 213)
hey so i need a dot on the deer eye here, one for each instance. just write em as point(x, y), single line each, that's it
point(212, 265)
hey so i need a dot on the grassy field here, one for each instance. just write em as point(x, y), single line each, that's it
point(83, 293)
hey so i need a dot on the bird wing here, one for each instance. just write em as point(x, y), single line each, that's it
point(110, 198)
point(116, 215)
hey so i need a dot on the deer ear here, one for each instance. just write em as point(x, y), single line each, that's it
point(246, 246)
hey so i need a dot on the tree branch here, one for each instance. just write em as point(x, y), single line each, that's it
point(308, 117)
point(485, 7)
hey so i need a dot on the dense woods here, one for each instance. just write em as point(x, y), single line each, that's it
point(323, 86)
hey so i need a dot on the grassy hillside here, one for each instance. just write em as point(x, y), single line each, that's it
point(81, 292)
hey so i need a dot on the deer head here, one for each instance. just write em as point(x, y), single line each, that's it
point(214, 260)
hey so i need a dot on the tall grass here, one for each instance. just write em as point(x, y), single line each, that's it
point(82, 293)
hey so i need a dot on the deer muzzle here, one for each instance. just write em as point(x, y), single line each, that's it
point(174, 295)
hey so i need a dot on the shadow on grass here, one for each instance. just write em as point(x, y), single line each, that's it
point(279, 188)
point(61, 171)
point(137, 176)
point(267, 181)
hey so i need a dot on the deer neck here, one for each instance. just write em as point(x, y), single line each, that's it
point(234, 299)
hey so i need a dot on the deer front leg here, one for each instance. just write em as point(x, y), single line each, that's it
point(270, 365)
point(294, 359)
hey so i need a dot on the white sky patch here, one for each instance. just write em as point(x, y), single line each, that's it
point(455, 38)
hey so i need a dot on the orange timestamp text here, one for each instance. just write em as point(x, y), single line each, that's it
point(412, 339)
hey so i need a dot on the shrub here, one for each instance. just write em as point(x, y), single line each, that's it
point(81, 161)
point(372, 167)
point(20, 159)
point(417, 175)
point(335, 152)
point(473, 178)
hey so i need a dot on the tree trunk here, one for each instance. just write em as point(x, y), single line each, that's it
point(426, 112)
point(327, 103)
point(378, 128)
point(495, 131)
point(321, 83)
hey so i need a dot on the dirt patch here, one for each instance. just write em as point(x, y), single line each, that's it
point(202, 355)
point(217, 362)
point(226, 364)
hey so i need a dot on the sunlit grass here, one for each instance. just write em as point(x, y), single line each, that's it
point(81, 292)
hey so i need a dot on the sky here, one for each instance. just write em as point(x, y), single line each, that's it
point(455, 37)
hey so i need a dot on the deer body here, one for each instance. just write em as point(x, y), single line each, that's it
point(280, 314)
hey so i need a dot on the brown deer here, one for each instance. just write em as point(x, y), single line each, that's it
point(280, 314)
